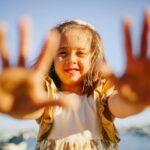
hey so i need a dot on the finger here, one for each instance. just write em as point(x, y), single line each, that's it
point(24, 31)
point(48, 52)
point(66, 101)
point(53, 102)
point(144, 38)
point(106, 71)
point(127, 39)
point(3, 46)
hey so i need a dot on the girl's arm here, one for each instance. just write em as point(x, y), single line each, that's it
point(122, 108)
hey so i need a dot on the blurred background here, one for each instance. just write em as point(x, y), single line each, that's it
point(106, 16)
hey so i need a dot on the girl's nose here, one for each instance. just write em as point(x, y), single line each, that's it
point(72, 59)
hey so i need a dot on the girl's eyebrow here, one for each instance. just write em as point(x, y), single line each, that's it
point(69, 48)
point(63, 47)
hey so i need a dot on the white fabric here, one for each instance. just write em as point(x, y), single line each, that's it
point(77, 124)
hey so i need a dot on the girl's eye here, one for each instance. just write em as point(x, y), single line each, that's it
point(80, 53)
point(62, 53)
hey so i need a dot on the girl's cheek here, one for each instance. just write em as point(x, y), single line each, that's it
point(59, 59)
point(88, 65)
point(86, 62)
point(85, 65)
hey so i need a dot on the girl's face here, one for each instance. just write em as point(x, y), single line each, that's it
point(73, 59)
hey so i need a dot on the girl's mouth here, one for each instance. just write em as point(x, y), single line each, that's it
point(72, 71)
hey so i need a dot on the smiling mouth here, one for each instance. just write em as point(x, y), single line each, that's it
point(72, 71)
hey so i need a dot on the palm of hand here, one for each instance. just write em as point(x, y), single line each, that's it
point(136, 81)
point(17, 86)
point(134, 84)
point(21, 89)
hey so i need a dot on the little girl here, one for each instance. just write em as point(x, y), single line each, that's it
point(79, 75)
point(74, 74)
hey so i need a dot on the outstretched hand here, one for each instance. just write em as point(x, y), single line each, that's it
point(134, 84)
point(21, 89)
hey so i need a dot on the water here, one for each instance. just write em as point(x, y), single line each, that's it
point(134, 142)
point(31, 143)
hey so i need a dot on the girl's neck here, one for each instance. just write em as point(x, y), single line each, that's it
point(72, 89)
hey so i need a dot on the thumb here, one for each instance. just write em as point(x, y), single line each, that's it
point(63, 101)
point(107, 72)
point(50, 102)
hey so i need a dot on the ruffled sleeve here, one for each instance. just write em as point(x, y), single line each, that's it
point(109, 131)
point(47, 119)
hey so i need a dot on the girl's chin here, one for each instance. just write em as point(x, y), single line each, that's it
point(74, 82)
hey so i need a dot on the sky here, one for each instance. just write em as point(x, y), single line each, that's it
point(105, 15)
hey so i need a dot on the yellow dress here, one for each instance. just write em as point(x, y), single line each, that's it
point(85, 128)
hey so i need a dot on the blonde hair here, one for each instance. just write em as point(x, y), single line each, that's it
point(93, 78)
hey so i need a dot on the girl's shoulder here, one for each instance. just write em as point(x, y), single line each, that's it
point(51, 88)
point(104, 90)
